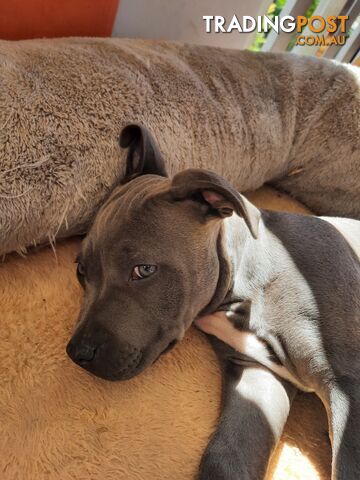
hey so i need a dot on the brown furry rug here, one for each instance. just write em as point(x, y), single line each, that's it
point(59, 423)
point(252, 117)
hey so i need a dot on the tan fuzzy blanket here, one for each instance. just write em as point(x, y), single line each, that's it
point(252, 117)
point(59, 423)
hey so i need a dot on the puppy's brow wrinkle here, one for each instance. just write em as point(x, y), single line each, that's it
point(141, 187)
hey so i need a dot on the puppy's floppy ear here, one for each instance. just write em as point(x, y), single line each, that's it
point(143, 155)
point(214, 197)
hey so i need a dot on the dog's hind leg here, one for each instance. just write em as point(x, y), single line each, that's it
point(256, 404)
point(344, 426)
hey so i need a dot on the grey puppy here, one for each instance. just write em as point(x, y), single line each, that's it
point(162, 252)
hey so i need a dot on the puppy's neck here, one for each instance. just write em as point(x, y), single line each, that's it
point(243, 263)
point(249, 262)
point(237, 239)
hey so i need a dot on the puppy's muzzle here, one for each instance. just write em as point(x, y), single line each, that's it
point(102, 355)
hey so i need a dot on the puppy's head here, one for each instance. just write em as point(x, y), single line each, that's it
point(151, 262)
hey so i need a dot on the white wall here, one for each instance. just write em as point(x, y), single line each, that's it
point(182, 20)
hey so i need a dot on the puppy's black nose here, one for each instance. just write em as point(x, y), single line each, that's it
point(80, 352)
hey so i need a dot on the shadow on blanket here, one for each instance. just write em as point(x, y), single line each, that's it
point(58, 422)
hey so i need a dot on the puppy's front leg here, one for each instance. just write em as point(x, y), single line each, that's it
point(256, 404)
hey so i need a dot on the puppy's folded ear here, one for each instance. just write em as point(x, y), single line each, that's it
point(214, 197)
point(143, 155)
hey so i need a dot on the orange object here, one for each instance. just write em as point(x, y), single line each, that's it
point(21, 19)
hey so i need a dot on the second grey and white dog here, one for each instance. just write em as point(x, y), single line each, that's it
point(162, 252)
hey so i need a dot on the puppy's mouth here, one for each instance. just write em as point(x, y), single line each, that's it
point(169, 347)
point(127, 371)
point(166, 350)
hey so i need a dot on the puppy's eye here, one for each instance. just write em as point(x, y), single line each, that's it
point(80, 271)
point(142, 271)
